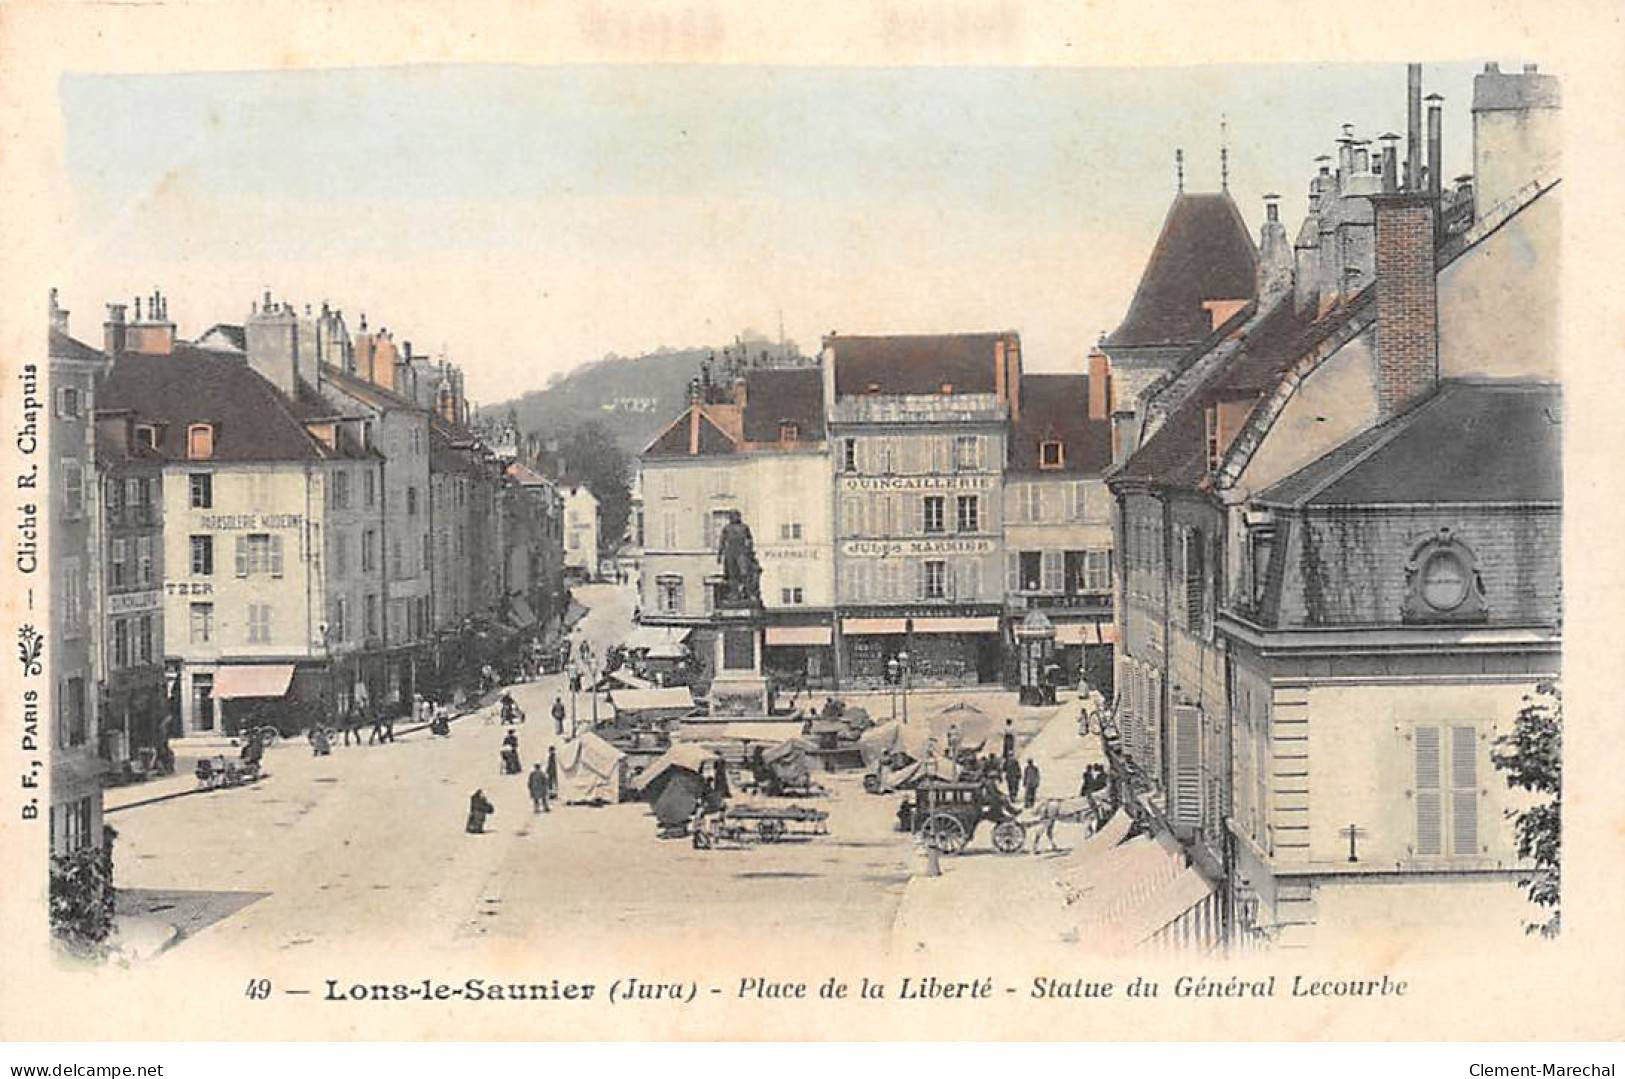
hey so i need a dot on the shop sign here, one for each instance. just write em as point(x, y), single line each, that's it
point(232, 522)
point(962, 481)
point(810, 554)
point(131, 602)
point(188, 588)
point(916, 548)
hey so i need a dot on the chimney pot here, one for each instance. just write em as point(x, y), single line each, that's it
point(1492, 68)
point(1530, 69)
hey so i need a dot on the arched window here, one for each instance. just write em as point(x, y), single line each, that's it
point(200, 441)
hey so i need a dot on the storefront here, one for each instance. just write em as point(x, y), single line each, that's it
point(799, 656)
point(1084, 650)
point(940, 649)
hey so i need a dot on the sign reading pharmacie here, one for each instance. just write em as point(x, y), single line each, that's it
point(916, 548)
point(959, 481)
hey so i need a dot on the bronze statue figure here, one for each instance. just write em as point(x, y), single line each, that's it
point(736, 550)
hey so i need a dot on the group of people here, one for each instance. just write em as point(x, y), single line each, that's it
point(542, 783)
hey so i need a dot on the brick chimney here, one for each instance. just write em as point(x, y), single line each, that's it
point(154, 334)
point(1100, 374)
point(1407, 301)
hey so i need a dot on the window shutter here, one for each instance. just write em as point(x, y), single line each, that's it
point(1463, 790)
point(971, 582)
point(1012, 577)
point(1187, 765)
point(981, 453)
point(919, 580)
point(242, 556)
point(1053, 570)
point(276, 556)
point(1429, 809)
point(919, 515)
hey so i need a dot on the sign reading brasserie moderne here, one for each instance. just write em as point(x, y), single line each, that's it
point(968, 481)
point(919, 548)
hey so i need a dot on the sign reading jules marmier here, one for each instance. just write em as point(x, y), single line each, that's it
point(915, 548)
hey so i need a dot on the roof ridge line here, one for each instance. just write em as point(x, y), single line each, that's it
point(1397, 425)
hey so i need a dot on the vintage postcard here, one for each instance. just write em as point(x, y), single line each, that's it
point(691, 522)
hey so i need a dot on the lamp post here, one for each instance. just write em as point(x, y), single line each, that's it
point(893, 675)
point(570, 678)
point(903, 663)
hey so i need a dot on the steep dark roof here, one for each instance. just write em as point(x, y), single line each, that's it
point(1056, 407)
point(253, 422)
point(778, 395)
point(1203, 253)
point(1176, 456)
point(916, 363)
point(674, 440)
point(714, 439)
point(64, 347)
point(1469, 442)
point(365, 391)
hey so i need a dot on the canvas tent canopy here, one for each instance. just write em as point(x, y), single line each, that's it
point(594, 769)
point(643, 638)
point(684, 756)
point(674, 699)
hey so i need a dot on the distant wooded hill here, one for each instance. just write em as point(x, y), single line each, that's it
point(633, 396)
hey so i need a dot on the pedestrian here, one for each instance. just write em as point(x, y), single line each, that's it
point(1029, 782)
point(509, 710)
point(552, 772)
point(376, 735)
point(953, 742)
point(538, 786)
point(1009, 742)
point(319, 744)
point(1012, 778)
point(558, 715)
point(510, 755)
point(478, 809)
point(389, 726)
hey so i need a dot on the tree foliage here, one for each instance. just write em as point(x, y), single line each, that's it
point(593, 458)
point(82, 895)
point(1532, 759)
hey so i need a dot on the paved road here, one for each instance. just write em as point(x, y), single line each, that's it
point(367, 846)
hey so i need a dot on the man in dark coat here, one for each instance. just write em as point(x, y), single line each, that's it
point(558, 715)
point(1012, 778)
point(1009, 742)
point(352, 724)
point(510, 755)
point(552, 772)
point(376, 735)
point(1029, 782)
point(478, 809)
point(536, 782)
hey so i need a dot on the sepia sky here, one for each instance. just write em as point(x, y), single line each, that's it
point(530, 219)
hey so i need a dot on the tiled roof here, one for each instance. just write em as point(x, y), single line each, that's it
point(916, 363)
point(1469, 442)
point(362, 390)
point(1056, 407)
point(64, 347)
point(779, 395)
point(253, 422)
point(1204, 252)
point(114, 452)
point(1176, 456)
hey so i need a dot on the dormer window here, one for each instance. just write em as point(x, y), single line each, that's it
point(947, 387)
point(788, 431)
point(873, 387)
point(1051, 454)
point(146, 435)
point(200, 441)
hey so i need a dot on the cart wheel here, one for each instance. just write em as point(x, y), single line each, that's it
point(771, 831)
point(945, 833)
point(871, 784)
point(1009, 837)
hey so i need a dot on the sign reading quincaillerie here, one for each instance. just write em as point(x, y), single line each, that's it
point(918, 548)
point(969, 481)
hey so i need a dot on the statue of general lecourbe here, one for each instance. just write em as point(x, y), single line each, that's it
point(736, 550)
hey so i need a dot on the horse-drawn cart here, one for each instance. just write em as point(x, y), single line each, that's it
point(945, 814)
point(756, 824)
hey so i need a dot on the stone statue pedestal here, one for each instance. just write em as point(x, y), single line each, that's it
point(739, 687)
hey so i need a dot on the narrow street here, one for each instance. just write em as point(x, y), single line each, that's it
point(368, 846)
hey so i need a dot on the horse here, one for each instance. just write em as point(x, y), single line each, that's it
point(1051, 811)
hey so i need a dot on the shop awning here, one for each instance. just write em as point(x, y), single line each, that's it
point(990, 624)
point(520, 613)
point(253, 680)
point(1086, 633)
point(632, 700)
point(797, 635)
point(862, 626)
point(643, 637)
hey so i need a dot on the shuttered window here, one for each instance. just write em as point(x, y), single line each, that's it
point(1429, 805)
point(1054, 571)
point(1187, 765)
point(1463, 790)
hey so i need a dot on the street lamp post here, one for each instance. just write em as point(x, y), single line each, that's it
point(893, 675)
point(903, 662)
